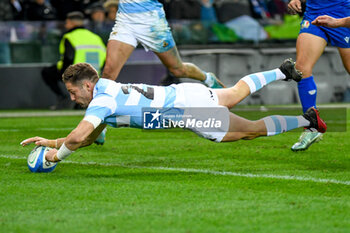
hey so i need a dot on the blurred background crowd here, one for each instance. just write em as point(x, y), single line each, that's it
point(192, 21)
point(213, 10)
point(35, 27)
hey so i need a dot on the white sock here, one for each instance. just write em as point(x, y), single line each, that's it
point(280, 124)
point(258, 80)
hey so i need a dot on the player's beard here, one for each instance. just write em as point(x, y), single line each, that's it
point(83, 105)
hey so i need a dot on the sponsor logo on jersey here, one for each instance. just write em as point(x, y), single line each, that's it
point(347, 39)
point(305, 24)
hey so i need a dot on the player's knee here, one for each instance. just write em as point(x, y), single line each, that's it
point(304, 68)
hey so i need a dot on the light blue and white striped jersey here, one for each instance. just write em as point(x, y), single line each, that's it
point(144, 11)
point(121, 105)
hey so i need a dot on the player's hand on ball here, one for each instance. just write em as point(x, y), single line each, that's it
point(39, 141)
point(51, 156)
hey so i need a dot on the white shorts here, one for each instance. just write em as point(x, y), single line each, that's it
point(201, 103)
point(154, 35)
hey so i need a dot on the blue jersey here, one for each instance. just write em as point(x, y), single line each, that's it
point(314, 6)
point(339, 37)
point(120, 105)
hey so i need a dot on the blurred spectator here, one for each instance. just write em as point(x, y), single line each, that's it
point(63, 7)
point(277, 8)
point(96, 12)
point(97, 15)
point(269, 11)
point(111, 6)
point(259, 9)
point(17, 9)
point(230, 9)
point(208, 11)
point(189, 9)
point(39, 10)
point(77, 45)
point(5, 10)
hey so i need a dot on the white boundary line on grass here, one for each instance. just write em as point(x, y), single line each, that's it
point(204, 171)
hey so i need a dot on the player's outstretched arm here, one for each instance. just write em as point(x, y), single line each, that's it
point(57, 143)
point(39, 141)
point(83, 135)
point(76, 139)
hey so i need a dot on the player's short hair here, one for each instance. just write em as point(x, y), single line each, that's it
point(79, 72)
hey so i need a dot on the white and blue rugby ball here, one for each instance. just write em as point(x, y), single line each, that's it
point(36, 160)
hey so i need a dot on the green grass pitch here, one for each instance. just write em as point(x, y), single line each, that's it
point(174, 181)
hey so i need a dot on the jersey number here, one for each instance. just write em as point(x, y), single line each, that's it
point(149, 94)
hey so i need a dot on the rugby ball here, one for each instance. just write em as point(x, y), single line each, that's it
point(36, 160)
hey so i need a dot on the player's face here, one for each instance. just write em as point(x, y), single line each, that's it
point(80, 93)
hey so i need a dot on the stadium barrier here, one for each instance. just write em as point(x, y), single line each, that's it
point(25, 88)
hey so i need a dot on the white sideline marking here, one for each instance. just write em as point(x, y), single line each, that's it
point(203, 171)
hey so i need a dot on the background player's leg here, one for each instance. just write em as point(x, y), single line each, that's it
point(172, 60)
point(309, 49)
point(345, 56)
point(117, 54)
